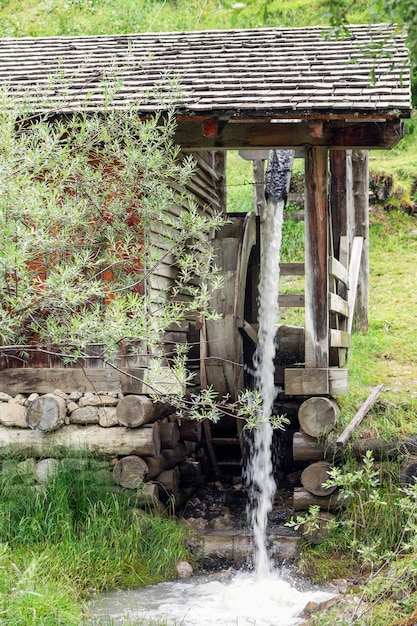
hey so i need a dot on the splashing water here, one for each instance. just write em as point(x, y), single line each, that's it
point(259, 470)
point(239, 600)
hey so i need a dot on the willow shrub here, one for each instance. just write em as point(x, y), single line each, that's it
point(86, 216)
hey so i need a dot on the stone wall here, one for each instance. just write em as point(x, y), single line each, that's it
point(139, 444)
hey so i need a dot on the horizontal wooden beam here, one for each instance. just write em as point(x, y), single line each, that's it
point(315, 381)
point(291, 300)
point(338, 305)
point(291, 269)
point(338, 270)
point(131, 380)
point(236, 135)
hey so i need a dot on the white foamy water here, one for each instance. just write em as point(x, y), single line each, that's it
point(258, 472)
point(243, 600)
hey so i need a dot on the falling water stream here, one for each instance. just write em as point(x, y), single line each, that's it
point(259, 474)
point(264, 596)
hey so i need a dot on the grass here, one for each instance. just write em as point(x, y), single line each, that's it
point(81, 17)
point(387, 354)
point(61, 541)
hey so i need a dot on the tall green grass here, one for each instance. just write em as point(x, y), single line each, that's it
point(61, 539)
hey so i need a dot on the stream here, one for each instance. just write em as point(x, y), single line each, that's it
point(228, 599)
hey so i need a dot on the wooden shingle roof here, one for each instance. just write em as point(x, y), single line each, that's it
point(258, 73)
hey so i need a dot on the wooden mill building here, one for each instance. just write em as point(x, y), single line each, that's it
point(254, 90)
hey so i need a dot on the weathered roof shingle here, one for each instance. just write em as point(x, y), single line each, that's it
point(260, 72)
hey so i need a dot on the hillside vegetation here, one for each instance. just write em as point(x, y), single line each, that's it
point(93, 17)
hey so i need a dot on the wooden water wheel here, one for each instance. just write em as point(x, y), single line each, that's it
point(225, 350)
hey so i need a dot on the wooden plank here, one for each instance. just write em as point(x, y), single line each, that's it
point(126, 380)
point(361, 214)
point(338, 192)
point(247, 242)
point(42, 380)
point(259, 192)
point(354, 270)
point(338, 271)
point(207, 194)
point(358, 417)
point(338, 381)
point(247, 328)
point(316, 259)
point(316, 382)
point(306, 382)
point(223, 364)
point(338, 305)
point(199, 157)
point(291, 300)
point(342, 287)
point(291, 269)
point(339, 338)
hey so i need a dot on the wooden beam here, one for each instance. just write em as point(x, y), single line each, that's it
point(144, 381)
point(354, 271)
point(316, 259)
point(248, 329)
point(292, 300)
point(260, 134)
point(338, 305)
point(358, 417)
point(291, 269)
point(306, 382)
point(339, 338)
point(338, 192)
point(338, 270)
point(360, 172)
point(259, 193)
point(43, 379)
point(315, 381)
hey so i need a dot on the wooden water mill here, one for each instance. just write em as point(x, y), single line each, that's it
point(253, 91)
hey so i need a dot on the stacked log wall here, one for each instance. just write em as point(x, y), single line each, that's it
point(139, 444)
point(301, 450)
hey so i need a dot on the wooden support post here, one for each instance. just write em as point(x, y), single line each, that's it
point(219, 166)
point(316, 259)
point(259, 180)
point(338, 197)
point(360, 173)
